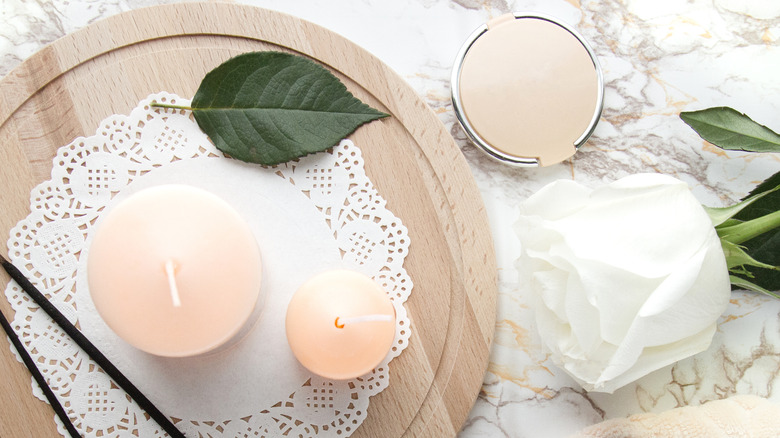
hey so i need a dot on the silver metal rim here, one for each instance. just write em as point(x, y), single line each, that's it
point(472, 133)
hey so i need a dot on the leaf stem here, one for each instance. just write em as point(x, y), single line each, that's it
point(166, 105)
point(747, 230)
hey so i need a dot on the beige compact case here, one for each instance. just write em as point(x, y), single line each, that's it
point(527, 89)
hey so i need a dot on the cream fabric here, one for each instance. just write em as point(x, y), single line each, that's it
point(744, 416)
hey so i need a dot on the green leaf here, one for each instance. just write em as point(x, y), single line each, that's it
point(720, 216)
point(769, 204)
point(273, 107)
point(766, 247)
point(729, 129)
point(753, 222)
point(736, 256)
point(748, 285)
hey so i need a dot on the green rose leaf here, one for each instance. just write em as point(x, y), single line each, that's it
point(766, 204)
point(732, 130)
point(737, 257)
point(741, 283)
point(721, 216)
point(729, 129)
point(766, 247)
point(273, 107)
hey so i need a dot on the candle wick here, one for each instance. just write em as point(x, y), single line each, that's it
point(341, 322)
point(171, 272)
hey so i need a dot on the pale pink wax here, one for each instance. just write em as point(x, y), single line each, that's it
point(340, 324)
point(174, 270)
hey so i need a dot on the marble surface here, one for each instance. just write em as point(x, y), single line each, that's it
point(659, 57)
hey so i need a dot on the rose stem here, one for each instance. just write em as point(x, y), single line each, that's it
point(745, 231)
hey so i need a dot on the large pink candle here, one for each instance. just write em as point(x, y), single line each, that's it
point(340, 324)
point(174, 270)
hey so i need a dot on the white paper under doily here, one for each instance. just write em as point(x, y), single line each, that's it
point(319, 213)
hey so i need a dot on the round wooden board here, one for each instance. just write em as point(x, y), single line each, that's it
point(66, 89)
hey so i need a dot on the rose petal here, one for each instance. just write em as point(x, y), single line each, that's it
point(547, 285)
point(629, 277)
point(654, 358)
point(583, 317)
point(644, 233)
point(666, 336)
point(556, 200)
point(638, 182)
point(571, 306)
point(703, 303)
point(674, 286)
point(617, 293)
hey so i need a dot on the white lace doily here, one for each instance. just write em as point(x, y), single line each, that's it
point(317, 213)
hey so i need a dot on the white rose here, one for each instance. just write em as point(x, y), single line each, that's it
point(629, 277)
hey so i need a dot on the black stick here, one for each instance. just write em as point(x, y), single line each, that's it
point(90, 348)
point(36, 373)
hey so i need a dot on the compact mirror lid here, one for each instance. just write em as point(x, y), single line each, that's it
point(527, 89)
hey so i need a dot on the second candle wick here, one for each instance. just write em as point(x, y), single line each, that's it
point(341, 322)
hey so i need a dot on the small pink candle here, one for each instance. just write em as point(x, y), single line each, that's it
point(340, 324)
point(174, 270)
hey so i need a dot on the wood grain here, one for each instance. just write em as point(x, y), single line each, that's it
point(66, 89)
